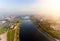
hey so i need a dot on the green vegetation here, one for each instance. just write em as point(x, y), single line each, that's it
point(51, 31)
point(45, 25)
point(10, 35)
point(14, 33)
point(17, 33)
point(4, 29)
point(18, 30)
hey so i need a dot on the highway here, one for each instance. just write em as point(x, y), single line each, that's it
point(30, 32)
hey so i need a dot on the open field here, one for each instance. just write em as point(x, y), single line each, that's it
point(4, 29)
point(10, 35)
point(13, 33)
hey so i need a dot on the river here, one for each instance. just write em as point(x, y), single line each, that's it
point(29, 32)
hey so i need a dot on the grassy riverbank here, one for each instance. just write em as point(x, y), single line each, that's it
point(10, 35)
point(13, 34)
point(45, 25)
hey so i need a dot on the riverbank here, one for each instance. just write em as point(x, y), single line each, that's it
point(29, 31)
point(13, 33)
point(45, 26)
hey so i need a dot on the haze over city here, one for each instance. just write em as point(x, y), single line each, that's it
point(29, 20)
point(50, 7)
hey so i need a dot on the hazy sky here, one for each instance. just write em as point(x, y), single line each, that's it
point(17, 4)
point(21, 5)
point(50, 7)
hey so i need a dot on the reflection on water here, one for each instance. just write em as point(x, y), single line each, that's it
point(29, 32)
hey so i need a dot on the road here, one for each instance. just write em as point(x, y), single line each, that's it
point(29, 32)
point(3, 37)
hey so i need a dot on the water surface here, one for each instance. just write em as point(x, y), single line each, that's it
point(29, 32)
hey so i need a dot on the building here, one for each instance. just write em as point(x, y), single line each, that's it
point(55, 27)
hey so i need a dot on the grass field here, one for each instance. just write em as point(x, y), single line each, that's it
point(4, 29)
point(10, 35)
point(17, 33)
point(13, 34)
